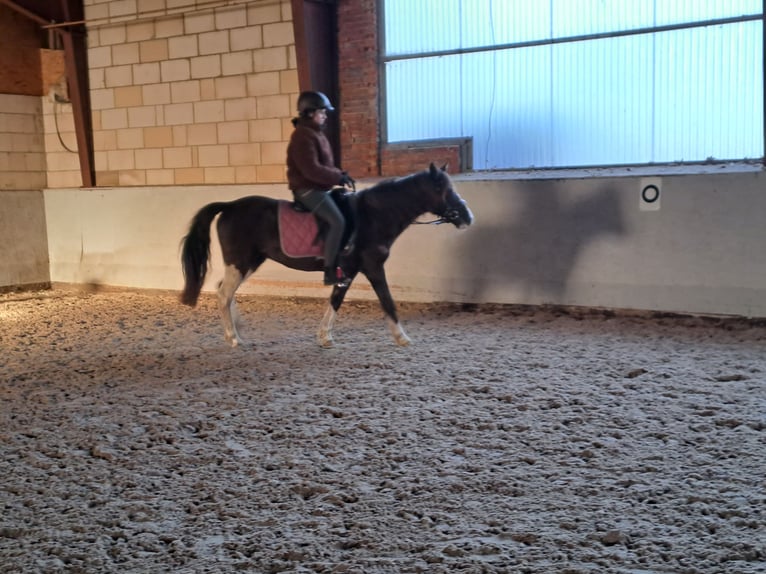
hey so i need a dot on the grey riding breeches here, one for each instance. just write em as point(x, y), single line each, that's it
point(322, 205)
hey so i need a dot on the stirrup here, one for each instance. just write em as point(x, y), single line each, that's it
point(336, 277)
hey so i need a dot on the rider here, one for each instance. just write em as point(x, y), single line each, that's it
point(311, 174)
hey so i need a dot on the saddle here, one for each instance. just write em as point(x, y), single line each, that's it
point(301, 234)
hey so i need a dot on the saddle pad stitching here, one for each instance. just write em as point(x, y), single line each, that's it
point(297, 232)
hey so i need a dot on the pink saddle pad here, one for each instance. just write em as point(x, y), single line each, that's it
point(298, 232)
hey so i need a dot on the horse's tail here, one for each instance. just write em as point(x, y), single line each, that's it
point(195, 251)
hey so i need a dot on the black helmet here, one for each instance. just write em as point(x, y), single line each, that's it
point(311, 101)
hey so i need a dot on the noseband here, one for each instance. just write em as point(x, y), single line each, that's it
point(450, 215)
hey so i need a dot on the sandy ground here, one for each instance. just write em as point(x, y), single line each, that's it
point(504, 440)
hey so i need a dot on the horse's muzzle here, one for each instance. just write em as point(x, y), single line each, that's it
point(460, 216)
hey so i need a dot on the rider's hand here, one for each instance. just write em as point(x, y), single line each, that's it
point(346, 180)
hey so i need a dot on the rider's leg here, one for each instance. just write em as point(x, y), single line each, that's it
point(324, 207)
point(329, 212)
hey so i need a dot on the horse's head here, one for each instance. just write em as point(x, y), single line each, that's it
point(449, 206)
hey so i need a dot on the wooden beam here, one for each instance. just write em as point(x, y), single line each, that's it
point(75, 57)
point(314, 28)
point(301, 45)
point(24, 12)
point(76, 60)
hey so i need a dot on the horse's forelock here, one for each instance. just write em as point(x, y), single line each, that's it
point(442, 183)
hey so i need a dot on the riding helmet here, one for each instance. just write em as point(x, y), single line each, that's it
point(311, 101)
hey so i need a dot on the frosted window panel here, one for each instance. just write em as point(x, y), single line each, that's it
point(678, 11)
point(421, 26)
point(417, 26)
point(423, 98)
point(582, 17)
point(709, 93)
point(500, 99)
point(504, 22)
point(508, 104)
point(683, 95)
point(602, 102)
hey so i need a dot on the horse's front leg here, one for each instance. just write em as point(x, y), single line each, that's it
point(324, 333)
point(380, 285)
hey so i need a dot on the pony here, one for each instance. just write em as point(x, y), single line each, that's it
point(249, 234)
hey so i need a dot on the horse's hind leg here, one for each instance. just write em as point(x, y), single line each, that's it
point(232, 279)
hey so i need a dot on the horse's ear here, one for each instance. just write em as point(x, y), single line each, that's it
point(435, 171)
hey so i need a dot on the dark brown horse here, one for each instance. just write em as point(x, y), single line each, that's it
point(249, 234)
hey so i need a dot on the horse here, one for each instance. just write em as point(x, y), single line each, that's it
point(248, 232)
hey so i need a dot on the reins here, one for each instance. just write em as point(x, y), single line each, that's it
point(434, 222)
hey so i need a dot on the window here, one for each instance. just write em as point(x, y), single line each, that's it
point(567, 83)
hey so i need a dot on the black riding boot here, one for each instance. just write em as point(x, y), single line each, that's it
point(335, 276)
point(323, 206)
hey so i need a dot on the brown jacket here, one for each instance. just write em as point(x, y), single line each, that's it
point(310, 163)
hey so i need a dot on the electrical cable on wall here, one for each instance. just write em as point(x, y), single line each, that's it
point(57, 101)
point(494, 86)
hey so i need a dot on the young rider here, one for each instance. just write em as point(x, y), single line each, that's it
point(311, 174)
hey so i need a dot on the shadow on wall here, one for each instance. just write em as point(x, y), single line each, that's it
point(530, 250)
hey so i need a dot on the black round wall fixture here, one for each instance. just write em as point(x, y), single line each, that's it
point(650, 193)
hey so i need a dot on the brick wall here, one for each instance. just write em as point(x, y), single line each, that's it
point(187, 94)
point(19, 54)
point(22, 154)
point(358, 80)
point(62, 160)
point(404, 159)
point(28, 127)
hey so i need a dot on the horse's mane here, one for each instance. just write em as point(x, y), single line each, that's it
point(398, 200)
point(390, 183)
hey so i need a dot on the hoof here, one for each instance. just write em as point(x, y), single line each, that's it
point(400, 337)
point(325, 341)
point(235, 342)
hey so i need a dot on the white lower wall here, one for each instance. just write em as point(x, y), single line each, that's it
point(593, 242)
point(587, 241)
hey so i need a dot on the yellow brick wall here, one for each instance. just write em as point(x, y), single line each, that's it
point(191, 92)
point(38, 146)
point(62, 160)
point(22, 153)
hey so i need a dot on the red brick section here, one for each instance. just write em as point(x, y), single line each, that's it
point(52, 66)
point(20, 71)
point(358, 76)
point(358, 79)
point(402, 162)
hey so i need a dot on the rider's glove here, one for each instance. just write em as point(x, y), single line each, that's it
point(346, 180)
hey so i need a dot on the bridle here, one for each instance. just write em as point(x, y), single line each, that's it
point(450, 215)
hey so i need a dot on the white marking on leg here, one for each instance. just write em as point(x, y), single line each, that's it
point(324, 334)
point(235, 316)
point(400, 336)
point(232, 279)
